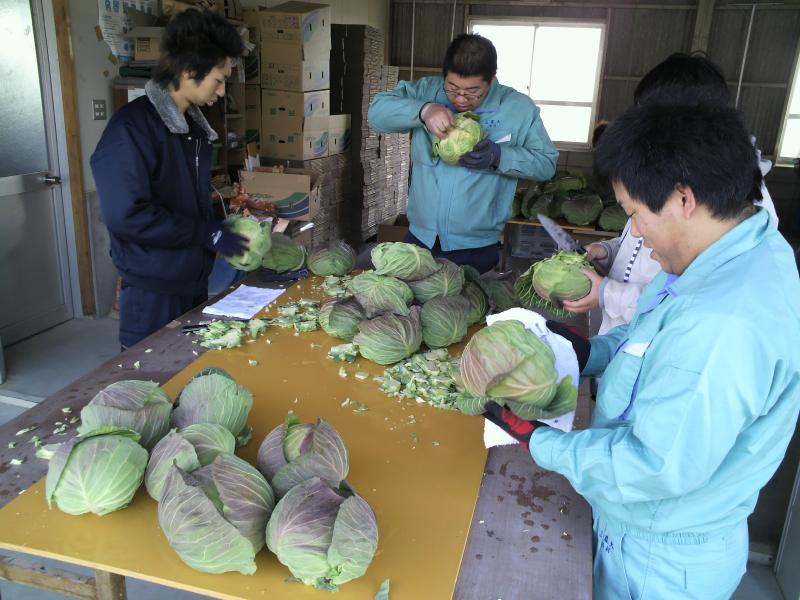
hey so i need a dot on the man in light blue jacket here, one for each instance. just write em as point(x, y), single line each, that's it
point(459, 211)
point(700, 392)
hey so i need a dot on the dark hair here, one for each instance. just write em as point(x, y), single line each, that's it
point(653, 147)
point(196, 41)
point(684, 79)
point(598, 131)
point(470, 54)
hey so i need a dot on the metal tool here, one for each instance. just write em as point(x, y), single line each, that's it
point(204, 324)
point(564, 240)
point(269, 275)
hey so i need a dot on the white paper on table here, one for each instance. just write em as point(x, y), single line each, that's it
point(566, 363)
point(243, 302)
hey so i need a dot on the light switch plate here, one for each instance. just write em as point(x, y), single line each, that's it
point(99, 109)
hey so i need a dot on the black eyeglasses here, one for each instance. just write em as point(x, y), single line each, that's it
point(453, 92)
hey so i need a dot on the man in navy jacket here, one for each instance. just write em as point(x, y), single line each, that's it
point(152, 168)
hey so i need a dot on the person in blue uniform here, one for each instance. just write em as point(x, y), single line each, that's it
point(152, 168)
point(700, 392)
point(459, 211)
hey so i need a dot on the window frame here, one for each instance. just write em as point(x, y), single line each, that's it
point(559, 22)
point(794, 80)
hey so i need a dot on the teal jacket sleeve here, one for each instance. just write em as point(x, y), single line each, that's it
point(397, 111)
point(689, 413)
point(533, 155)
point(603, 350)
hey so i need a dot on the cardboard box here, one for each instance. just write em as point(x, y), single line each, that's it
point(301, 76)
point(393, 230)
point(294, 137)
point(338, 134)
point(276, 103)
point(146, 43)
point(252, 108)
point(295, 191)
point(296, 23)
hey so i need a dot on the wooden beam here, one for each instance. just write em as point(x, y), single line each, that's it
point(53, 580)
point(110, 586)
point(80, 217)
point(702, 25)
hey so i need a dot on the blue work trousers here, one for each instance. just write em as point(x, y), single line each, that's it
point(142, 312)
point(484, 258)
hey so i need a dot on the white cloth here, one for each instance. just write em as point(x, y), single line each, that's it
point(566, 363)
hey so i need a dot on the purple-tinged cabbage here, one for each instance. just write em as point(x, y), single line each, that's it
point(340, 317)
point(132, 404)
point(444, 321)
point(212, 396)
point(215, 518)
point(390, 338)
point(190, 448)
point(337, 258)
point(478, 302)
point(97, 472)
point(378, 294)
point(294, 452)
point(404, 261)
point(509, 364)
point(325, 537)
point(447, 281)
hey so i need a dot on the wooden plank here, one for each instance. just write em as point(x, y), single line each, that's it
point(110, 586)
point(80, 216)
point(53, 580)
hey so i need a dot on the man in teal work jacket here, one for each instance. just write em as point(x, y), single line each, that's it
point(459, 211)
point(700, 392)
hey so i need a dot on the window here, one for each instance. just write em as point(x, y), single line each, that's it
point(555, 63)
point(789, 141)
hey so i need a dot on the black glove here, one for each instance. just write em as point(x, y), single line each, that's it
point(485, 154)
point(520, 429)
point(219, 238)
point(579, 342)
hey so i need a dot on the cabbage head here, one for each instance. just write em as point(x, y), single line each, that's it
point(500, 293)
point(337, 258)
point(212, 396)
point(478, 302)
point(97, 472)
point(216, 517)
point(340, 317)
point(460, 139)
point(132, 404)
point(259, 242)
point(447, 281)
point(325, 537)
point(294, 452)
point(444, 321)
point(378, 294)
point(613, 218)
point(284, 255)
point(404, 261)
point(582, 209)
point(471, 273)
point(547, 283)
point(190, 448)
point(390, 338)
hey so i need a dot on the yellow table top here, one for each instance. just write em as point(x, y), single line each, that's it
point(419, 468)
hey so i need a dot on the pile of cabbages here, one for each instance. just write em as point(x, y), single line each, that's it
point(216, 510)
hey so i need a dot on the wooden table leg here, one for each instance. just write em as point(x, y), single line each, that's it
point(110, 586)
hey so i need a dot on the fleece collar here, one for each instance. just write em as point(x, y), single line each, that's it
point(173, 118)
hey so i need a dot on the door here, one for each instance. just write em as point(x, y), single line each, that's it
point(786, 571)
point(35, 291)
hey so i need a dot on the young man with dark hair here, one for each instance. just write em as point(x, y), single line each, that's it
point(459, 211)
point(152, 168)
point(700, 392)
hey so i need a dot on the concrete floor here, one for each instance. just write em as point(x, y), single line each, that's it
point(45, 363)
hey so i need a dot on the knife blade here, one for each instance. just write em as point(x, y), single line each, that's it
point(563, 240)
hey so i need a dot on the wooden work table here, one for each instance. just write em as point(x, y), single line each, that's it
point(529, 537)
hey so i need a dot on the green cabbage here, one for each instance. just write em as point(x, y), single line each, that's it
point(582, 209)
point(613, 218)
point(97, 472)
point(460, 139)
point(340, 317)
point(294, 452)
point(325, 537)
point(284, 255)
point(132, 404)
point(444, 320)
point(337, 258)
point(390, 338)
point(547, 283)
point(447, 281)
point(259, 242)
point(500, 293)
point(378, 294)
point(404, 261)
point(478, 302)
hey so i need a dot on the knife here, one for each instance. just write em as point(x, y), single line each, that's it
point(565, 241)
